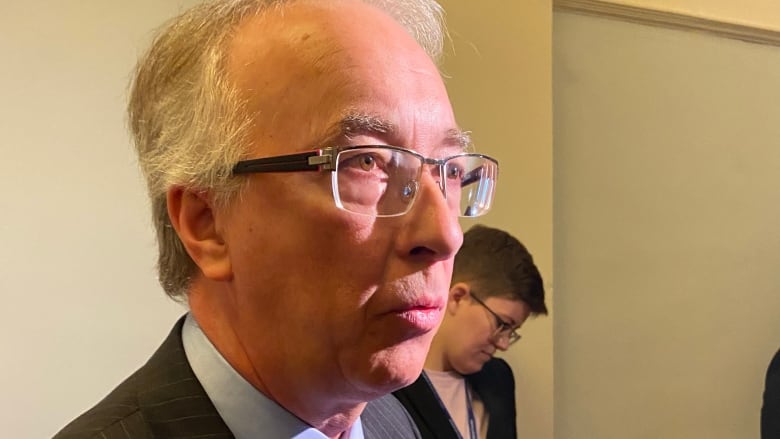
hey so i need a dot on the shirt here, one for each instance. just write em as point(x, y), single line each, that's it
point(247, 412)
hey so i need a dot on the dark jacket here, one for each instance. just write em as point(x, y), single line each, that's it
point(770, 411)
point(495, 386)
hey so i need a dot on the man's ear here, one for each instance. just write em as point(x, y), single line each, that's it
point(458, 293)
point(193, 217)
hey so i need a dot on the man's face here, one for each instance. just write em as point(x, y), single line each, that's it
point(470, 340)
point(327, 300)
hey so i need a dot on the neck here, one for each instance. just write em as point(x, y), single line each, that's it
point(334, 426)
point(281, 379)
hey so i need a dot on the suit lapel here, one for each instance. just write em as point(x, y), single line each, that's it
point(495, 386)
point(427, 411)
point(171, 398)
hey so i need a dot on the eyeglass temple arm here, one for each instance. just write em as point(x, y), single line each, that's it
point(320, 159)
point(472, 177)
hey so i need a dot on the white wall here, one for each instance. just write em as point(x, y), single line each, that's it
point(81, 305)
point(667, 245)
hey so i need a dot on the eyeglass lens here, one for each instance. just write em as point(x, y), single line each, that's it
point(384, 181)
point(503, 329)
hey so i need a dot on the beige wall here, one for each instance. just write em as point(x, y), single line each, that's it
point(500, 85)
point(667, 205)
point(81, 306)
point(756, 13)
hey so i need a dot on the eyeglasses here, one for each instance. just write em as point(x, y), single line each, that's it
point(503, 329)
point(383, 180)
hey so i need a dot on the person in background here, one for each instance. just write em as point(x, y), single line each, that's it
point(306, 176)
point(770, 410)
point(464, 391)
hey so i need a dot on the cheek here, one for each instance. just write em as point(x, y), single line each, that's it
point(303, 248)
point(476, 340)
point(291, 225)
point(469, 358)
point(467, 340)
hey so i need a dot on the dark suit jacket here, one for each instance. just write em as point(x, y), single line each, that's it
point(770, 412)
point(494, 384)
point(164, 399)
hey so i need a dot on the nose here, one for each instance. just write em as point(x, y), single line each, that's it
point(431, 228)
point(501, 342)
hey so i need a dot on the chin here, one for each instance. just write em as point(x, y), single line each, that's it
point(473, 366)
point(395, 367)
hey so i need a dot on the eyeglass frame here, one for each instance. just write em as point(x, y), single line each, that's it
point(324, 159)
point(511, 333)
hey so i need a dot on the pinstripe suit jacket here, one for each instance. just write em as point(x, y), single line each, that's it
point(163, 399)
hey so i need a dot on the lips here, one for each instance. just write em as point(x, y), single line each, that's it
point(424, 318)
point(421, 316)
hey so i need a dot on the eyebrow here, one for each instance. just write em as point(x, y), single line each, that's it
point(459, 138)
point(357, 124)
point(361, 124)
point(510, 321)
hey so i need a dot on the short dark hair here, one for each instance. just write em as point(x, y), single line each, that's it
point(498, 265)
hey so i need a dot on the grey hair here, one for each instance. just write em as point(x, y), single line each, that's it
point(188, 122)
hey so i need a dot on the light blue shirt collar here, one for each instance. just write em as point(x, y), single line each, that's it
point(247, 412)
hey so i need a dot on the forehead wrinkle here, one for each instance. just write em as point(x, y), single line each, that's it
point(355, 124)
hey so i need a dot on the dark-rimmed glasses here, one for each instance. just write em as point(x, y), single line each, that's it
point(383, 180)
point(503, 329)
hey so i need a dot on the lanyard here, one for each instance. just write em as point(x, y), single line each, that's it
point(470, 411)
point(472, 421)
